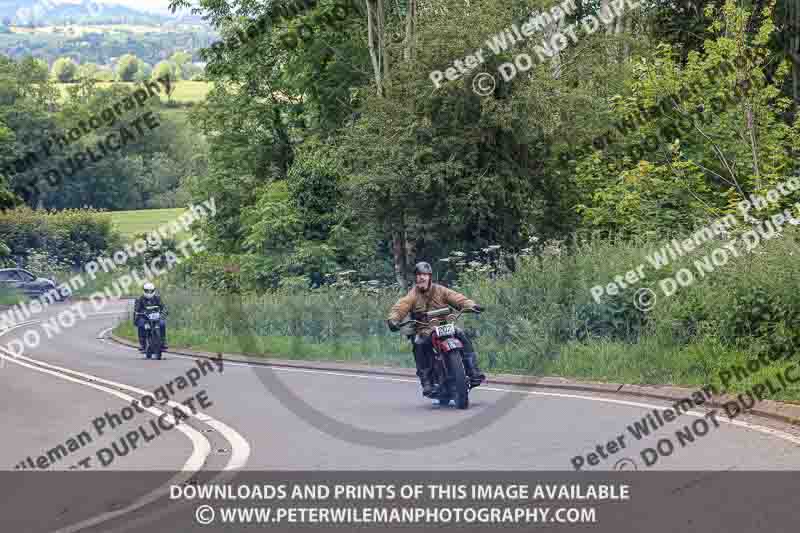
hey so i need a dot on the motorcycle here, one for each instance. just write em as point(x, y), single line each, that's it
point(153, 342)
point(449, 374)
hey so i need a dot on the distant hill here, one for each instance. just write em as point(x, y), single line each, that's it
point(49, 12)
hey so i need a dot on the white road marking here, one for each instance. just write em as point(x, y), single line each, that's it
point(747, 425)
point(240, 448)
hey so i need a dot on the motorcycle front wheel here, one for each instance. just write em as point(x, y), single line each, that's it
point(156, 342)
point(458, 374)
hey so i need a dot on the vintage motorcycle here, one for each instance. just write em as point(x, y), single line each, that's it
point(449, 375)
point(153, 342)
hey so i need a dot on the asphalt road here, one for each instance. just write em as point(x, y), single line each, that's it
point(64, 388)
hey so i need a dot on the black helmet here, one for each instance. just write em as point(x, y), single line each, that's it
point(423, 268)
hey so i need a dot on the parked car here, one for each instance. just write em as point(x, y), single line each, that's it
point(28, 284)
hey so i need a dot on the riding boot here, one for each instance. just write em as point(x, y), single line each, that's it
point(163, 337)
point(470, 358)
point(423, 371)
point(476, 377)
point(427, 382)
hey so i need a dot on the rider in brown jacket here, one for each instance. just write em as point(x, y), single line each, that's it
point(423, 297)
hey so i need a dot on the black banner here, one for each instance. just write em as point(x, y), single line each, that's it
point(412, 501)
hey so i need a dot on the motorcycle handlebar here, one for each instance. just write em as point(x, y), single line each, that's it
point(407, 322)
point(135, 313)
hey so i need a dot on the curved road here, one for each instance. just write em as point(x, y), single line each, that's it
point(60, 392)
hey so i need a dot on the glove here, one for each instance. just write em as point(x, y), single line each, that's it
point(394, 326)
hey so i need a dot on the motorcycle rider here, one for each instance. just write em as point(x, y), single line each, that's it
point(149, 297)
point(427, 296)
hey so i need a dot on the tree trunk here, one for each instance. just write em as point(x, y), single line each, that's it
point(404, 252)
point(555, 63)
point(605, 7)
point(411, 30)
point(751, 128)
point(411, 251)
point(398, 251)
point(382, 40)
point(626, 52)
point(792, 29)
point(376, 42)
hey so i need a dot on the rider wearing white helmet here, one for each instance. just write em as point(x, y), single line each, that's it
point(149, 297)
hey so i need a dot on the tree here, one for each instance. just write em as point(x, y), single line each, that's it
point(722, 137)
point(127, 67)
point(35, 69)
point(65, 70)
point(144, 72)
point(88, 70)
point(182, 62)
point(165, 70)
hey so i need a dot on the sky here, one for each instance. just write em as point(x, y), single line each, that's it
point(161, 6)
point(142, 5)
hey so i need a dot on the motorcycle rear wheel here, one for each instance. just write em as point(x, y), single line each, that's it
point(458, 374)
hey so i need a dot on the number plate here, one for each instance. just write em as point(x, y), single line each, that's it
point(154, 316)
point(446, 330)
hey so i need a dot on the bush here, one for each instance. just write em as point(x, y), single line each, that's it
point(74, 236)
point(42, 264)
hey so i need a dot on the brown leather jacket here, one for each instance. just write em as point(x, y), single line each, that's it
point(434, 298)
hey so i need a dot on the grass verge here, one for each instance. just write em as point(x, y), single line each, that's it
point(543, 320)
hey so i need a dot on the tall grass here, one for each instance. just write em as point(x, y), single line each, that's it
point(541, 319)
point(9, 296)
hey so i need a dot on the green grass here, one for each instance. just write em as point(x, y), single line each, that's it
point(185, 91)
point(130, 223)
point(542, 320)
point(9, 296)
point(189, 91)
point(373, 352)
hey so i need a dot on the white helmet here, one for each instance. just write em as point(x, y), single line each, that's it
point(149, 290)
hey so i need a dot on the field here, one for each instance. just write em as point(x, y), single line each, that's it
point(129, 223)
point(185, 91)
point(77, 30)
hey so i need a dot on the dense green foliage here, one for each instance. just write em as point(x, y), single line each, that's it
point(72, 237)
point(65, 70)
point(147, 173)
point(333, 154)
